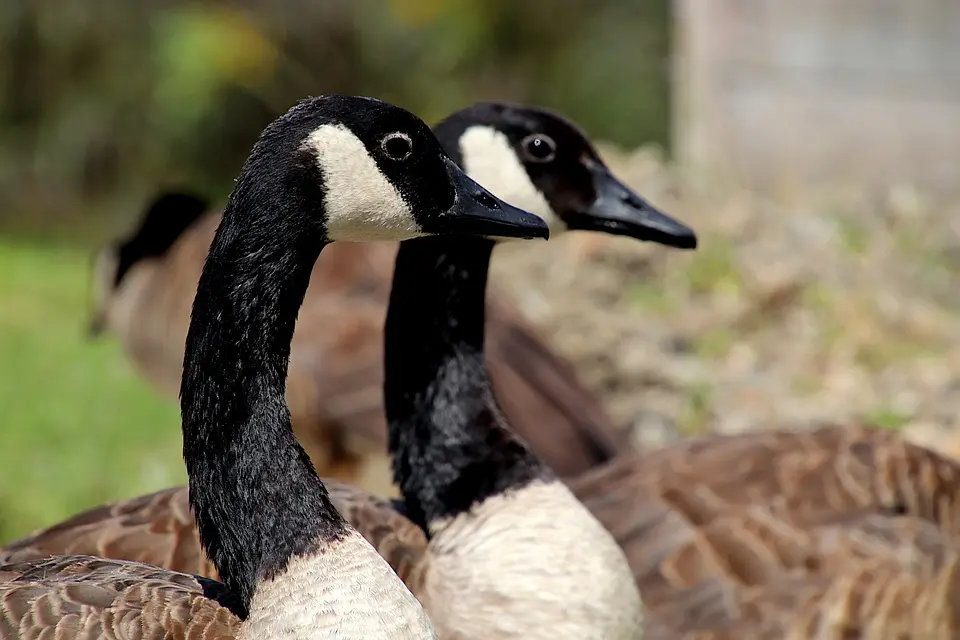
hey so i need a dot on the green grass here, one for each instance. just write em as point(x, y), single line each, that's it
point(80, 427)
point(887, 418)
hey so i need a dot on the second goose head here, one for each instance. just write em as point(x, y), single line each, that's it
point(539, 160)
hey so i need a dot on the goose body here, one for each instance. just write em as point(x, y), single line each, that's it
point(334, 391)
point(331, 168)
point(480, 508)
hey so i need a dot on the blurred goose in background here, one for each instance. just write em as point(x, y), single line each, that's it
point(291, 566)
point(529, 156)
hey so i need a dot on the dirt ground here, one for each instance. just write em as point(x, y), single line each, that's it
point(795, 310)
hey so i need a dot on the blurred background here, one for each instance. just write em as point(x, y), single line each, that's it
point(814, 147)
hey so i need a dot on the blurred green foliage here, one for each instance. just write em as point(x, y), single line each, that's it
point(80, 427)
point(102, 102)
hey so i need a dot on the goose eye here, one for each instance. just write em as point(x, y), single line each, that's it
point(539, 147)
point(397, 146)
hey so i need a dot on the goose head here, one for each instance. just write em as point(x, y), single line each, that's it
point(544, 163)
point(167, 217)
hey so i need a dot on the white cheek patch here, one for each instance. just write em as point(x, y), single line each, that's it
point(361, 203)
point(489, 158)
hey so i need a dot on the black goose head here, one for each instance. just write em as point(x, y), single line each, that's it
point(368, 170)
point(539, 160)
point(167, 217)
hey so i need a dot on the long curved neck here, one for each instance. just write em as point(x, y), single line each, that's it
point(451, 446)
point(257, 500)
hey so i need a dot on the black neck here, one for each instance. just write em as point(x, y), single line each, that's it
point(255, 495)
point(451, 446)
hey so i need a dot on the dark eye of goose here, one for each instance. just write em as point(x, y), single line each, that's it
point(397, 146)
point(539, 147)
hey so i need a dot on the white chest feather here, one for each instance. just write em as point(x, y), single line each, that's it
point(534, 564)
point(348, 592)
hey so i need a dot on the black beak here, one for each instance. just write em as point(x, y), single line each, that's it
point(620, 211)
point(478, 212)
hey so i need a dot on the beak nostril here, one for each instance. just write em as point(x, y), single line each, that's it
point(486, 200)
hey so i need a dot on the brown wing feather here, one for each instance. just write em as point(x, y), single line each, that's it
point(335, 379)
point(865, 602)
point(156, 529)
point(709, 524)
point(804, 478)
point(78, 597)
point(748, 573)
point(159, 529)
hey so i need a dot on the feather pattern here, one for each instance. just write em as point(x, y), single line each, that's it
point(74, 597)
point(767, 533)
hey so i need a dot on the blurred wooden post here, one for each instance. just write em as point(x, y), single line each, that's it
point(867, 91)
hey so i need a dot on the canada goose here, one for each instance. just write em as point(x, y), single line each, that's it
point(536, 563)
point(332, 168)
point(336, 368)
point(484, 511)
